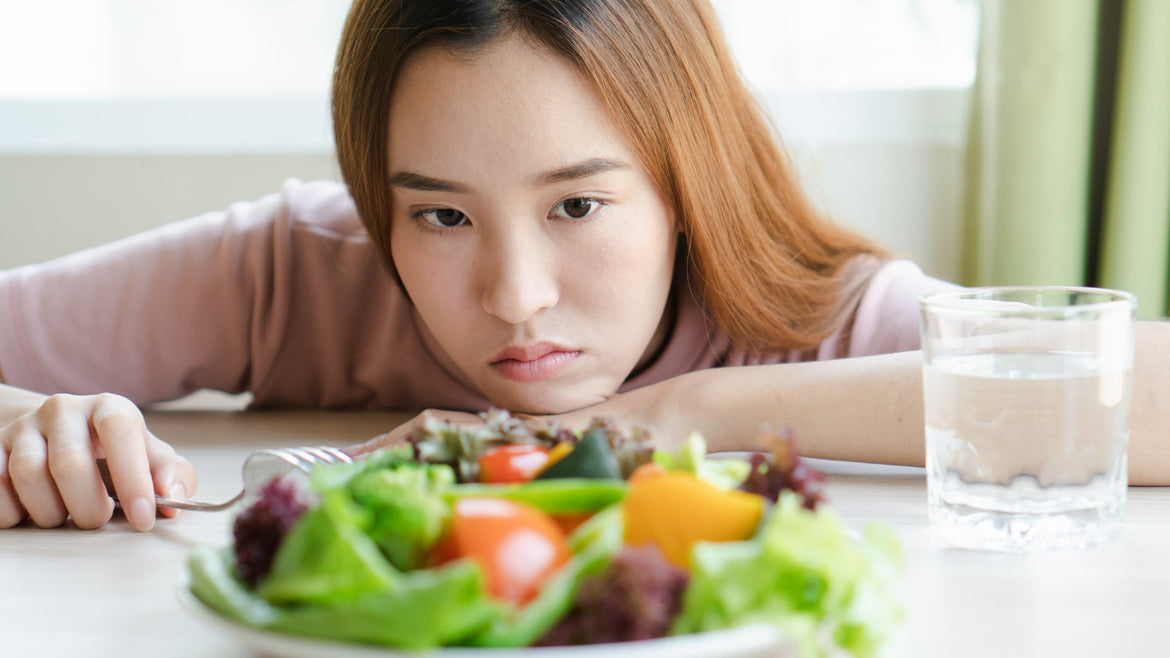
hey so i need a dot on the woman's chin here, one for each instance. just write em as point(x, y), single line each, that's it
point(546, 402)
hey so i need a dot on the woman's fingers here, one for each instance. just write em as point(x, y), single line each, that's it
point(173, 475)
point(49, 464)
point(120, 430)
point(11, 511)
point(72, 464)
point(396, 435)
point(400, 433)
point(28, 467)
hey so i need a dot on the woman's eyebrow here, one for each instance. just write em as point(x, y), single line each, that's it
point(583, 169)
point(413, 181)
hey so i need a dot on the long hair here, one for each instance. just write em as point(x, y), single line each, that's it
point(768, 267)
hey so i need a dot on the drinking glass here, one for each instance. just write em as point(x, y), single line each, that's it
point(1026, 395)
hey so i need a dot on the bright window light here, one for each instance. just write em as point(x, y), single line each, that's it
point(853, 44)
point(135, 76)
point(135, 49)
point(158, 49)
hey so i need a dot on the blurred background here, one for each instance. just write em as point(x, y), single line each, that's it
point(995, 142)
point(120, 115)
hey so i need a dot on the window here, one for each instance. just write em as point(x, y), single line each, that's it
point(155, 49)
point(196, 75)
point(852, 44)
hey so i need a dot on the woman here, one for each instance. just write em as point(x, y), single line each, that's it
point(567, 209)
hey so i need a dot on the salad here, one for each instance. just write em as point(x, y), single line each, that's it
point(500, 535)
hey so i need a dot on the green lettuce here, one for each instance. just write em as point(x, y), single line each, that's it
point(422, 609)
point(691, 457)
point(806, 575)
point(396, 501)
point(426, 608)
point(213, 581)
point(340, 574)
point(417, 610)
point(407, 513)
point(327, 557)
point(353, 566)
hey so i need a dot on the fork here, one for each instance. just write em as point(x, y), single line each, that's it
point(259, 467)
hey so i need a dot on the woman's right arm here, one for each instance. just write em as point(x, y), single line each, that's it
point(152, 317)
point(49, 447)
point(204, 303)
point(132, 317)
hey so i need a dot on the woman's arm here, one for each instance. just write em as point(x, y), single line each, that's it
point(860, 409)
point(1149, 431)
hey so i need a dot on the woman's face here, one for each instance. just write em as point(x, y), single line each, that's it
point(532, 243)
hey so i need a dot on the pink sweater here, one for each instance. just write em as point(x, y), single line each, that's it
point(285, 298)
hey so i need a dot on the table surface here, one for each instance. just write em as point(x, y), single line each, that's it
point(112, 592)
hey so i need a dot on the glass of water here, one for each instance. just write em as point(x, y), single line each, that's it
point(1026, 393)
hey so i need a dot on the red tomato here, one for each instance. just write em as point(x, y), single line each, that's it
point(516, 545)
point(512, 463)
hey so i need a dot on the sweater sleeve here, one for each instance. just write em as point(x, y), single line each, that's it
point(887, 315)
point(158, 315)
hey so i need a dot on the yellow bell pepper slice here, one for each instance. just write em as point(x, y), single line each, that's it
point(674, 510)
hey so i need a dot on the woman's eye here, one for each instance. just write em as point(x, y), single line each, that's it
point(443, 217)
point(576, 208)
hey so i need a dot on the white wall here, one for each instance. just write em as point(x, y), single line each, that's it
point(889, 163)
point(906, 196)
point(51, 205)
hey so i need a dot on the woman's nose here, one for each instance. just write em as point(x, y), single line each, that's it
point(518, 281)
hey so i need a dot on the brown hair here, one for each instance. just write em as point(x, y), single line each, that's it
point(767, 264)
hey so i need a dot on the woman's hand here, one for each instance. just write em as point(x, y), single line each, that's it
point(616, 408)
point(400, 433)
point(49, 468)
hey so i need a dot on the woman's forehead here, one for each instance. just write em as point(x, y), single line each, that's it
point(511, 109)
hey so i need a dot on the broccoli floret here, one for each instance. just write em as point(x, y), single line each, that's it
point(406, 514)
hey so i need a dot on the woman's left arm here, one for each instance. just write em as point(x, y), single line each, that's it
point(859, 409)
point(1149, 430)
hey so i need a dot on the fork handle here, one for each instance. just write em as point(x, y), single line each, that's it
point(195, 505)
point(168, 501)
point(187, 503)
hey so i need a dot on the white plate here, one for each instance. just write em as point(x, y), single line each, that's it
point(756, 641)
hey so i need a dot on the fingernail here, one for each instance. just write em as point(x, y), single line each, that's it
point(178, 491)
point(142, 514)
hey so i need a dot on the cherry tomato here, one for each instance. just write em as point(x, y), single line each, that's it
point(517, 545)
point(512, 463)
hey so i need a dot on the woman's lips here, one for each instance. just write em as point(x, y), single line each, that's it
point(533, 363)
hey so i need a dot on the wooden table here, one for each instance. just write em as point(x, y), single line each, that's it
point(111, 592)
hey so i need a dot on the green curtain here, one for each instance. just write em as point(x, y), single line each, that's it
point(1068, 159)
